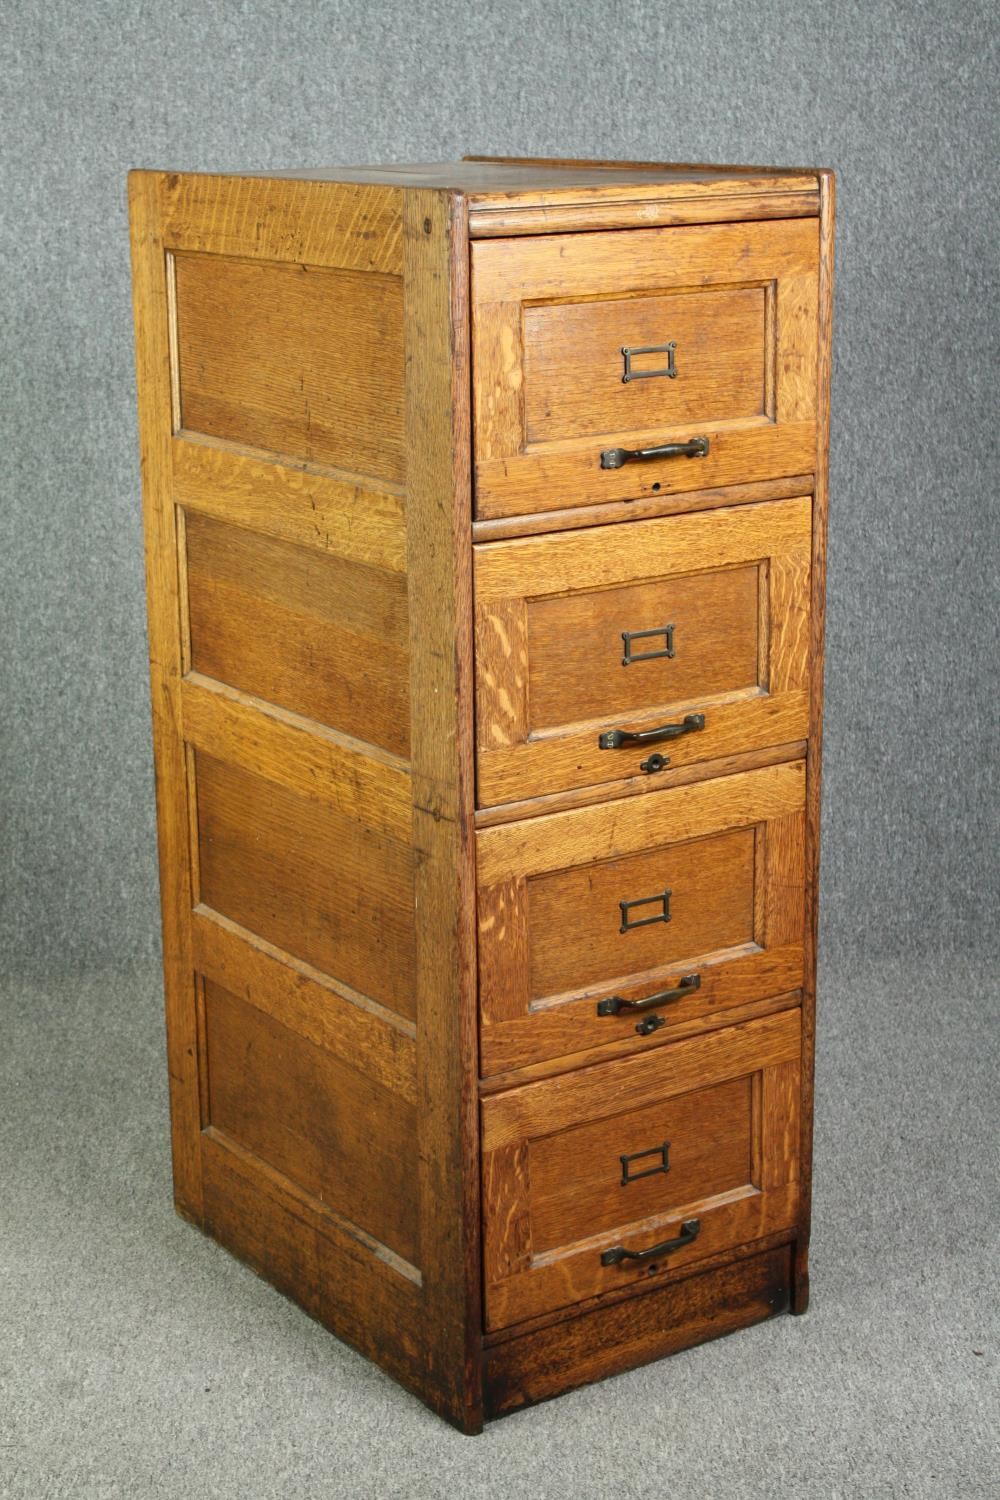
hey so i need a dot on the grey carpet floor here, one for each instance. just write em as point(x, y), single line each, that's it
point(139, 1360)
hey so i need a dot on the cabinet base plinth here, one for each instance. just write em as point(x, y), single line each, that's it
point(610, 1340)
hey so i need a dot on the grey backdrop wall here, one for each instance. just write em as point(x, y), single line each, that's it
point(897, 97)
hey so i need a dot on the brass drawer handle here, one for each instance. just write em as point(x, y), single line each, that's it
point(613, 739)
point(616, 1006)
point(690, 1230)
point(615, 458)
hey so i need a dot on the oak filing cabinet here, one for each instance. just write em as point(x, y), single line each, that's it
point(485, 514)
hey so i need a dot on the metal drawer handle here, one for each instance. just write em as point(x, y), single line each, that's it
point(614, 458)
point(690, 1230)
point(613, 739)
point(616, 1006)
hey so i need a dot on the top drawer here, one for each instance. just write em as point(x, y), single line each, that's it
point(729, 313)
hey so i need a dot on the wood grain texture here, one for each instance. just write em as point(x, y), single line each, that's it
point(608, 1340)
point(646, 508)
point(355, 520)
point(439, 558)
point(320, 635)
point(372, 1300)
point(321, 1010)
point(292, 359)
point(609, 830)
point(735, 919)
point(315, 1119)
point(638, 786)
point(316, 763)
point(573, 364)
point(550, 615)
point(710, 908)
point(612, 212)
point(590, 1093)
point(728, 1163)
point(153, 381)
point(310, 567)
point(578, 1181)
point(310, 880)
point(817, 619)
point(342, 225)
point(757, 408)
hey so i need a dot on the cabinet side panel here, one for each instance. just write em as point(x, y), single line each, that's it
point(439, 553)
point(280, 662)
point(151, 304)
point(800, 1282)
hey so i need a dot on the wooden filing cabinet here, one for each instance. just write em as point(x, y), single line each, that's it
point(485, 514)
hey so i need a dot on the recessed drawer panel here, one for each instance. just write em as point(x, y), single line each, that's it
point(626, 651)
point(589, 348)
point(629, 1170)
point(614, 923)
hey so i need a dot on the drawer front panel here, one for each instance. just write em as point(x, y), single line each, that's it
point(694, 893)
point(586, 343)
point(693, 1148)
point(631, 628)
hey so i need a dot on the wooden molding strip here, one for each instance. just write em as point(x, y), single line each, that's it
point(605, 830)
point(298, 504)
point(637, 786)
point(364, 781)
point(642, 508)
point(489, 222)
point(355, 1029)
point(591, 1093)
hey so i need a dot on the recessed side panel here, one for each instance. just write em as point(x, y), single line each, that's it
point(297, 360)
point(321, 1124)
point(302, 628)
point(312, 881)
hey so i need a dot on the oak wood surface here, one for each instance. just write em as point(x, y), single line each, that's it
point(293, 359)
point(610, 1339)
point(817, 620)
point(348, 1025)
point(155, 400)
point(640, 509)
point(317, 763)
point(602, 281)
point(327, 636)
point(552, 677)
point(308, 349)
point(365, 1295)
point(724, 1105)
point(439, 564)
point(309, 880)
point(354, 519)
point(731, 858)
point(314, 1118)
point(305, 829)
point(573, 364)
point(344, 225)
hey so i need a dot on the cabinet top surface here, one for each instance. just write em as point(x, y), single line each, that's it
point(528, 180)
